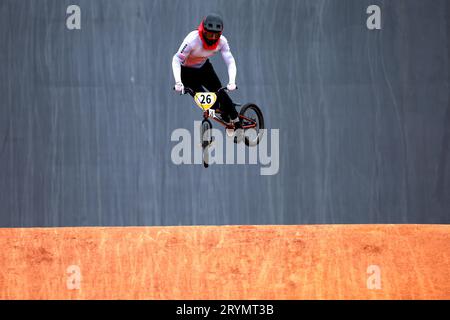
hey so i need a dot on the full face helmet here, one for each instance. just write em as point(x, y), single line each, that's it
point(210, 30)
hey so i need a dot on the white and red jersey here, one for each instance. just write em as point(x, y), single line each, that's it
point(192, 54)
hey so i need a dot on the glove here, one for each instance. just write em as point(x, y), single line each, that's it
point(179, 87)
point(231, 87)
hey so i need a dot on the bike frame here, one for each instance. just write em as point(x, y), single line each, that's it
point(208, 114)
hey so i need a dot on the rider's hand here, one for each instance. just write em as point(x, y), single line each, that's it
point(179, 87)
point(231, 86)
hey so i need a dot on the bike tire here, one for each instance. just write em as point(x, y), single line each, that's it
point(205, 140)
point(259, 120)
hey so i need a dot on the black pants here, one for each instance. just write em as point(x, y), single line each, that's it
point(206, 77)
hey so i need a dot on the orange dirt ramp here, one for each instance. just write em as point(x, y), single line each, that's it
point(227, 262)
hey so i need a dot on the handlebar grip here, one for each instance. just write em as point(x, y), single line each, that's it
point(182, 92)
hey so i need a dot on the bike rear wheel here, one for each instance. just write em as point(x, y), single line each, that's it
point(251, 114)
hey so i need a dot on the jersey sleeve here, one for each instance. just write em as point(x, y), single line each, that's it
point(229, 60)
point(179, 58)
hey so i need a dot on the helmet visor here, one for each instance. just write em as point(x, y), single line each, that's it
point(211, 35)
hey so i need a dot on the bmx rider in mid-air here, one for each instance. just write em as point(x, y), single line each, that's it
point(192, 68)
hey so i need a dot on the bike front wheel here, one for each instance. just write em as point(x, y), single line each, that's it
point(205, 140)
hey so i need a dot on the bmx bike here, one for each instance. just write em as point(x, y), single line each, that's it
point(250, 115)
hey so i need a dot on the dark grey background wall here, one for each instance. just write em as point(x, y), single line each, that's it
point(86, 116)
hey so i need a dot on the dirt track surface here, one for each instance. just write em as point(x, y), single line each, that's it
point(235, 262)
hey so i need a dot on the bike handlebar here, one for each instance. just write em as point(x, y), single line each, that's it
point(189, 90)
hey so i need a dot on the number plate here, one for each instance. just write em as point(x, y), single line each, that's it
point(205, 100)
